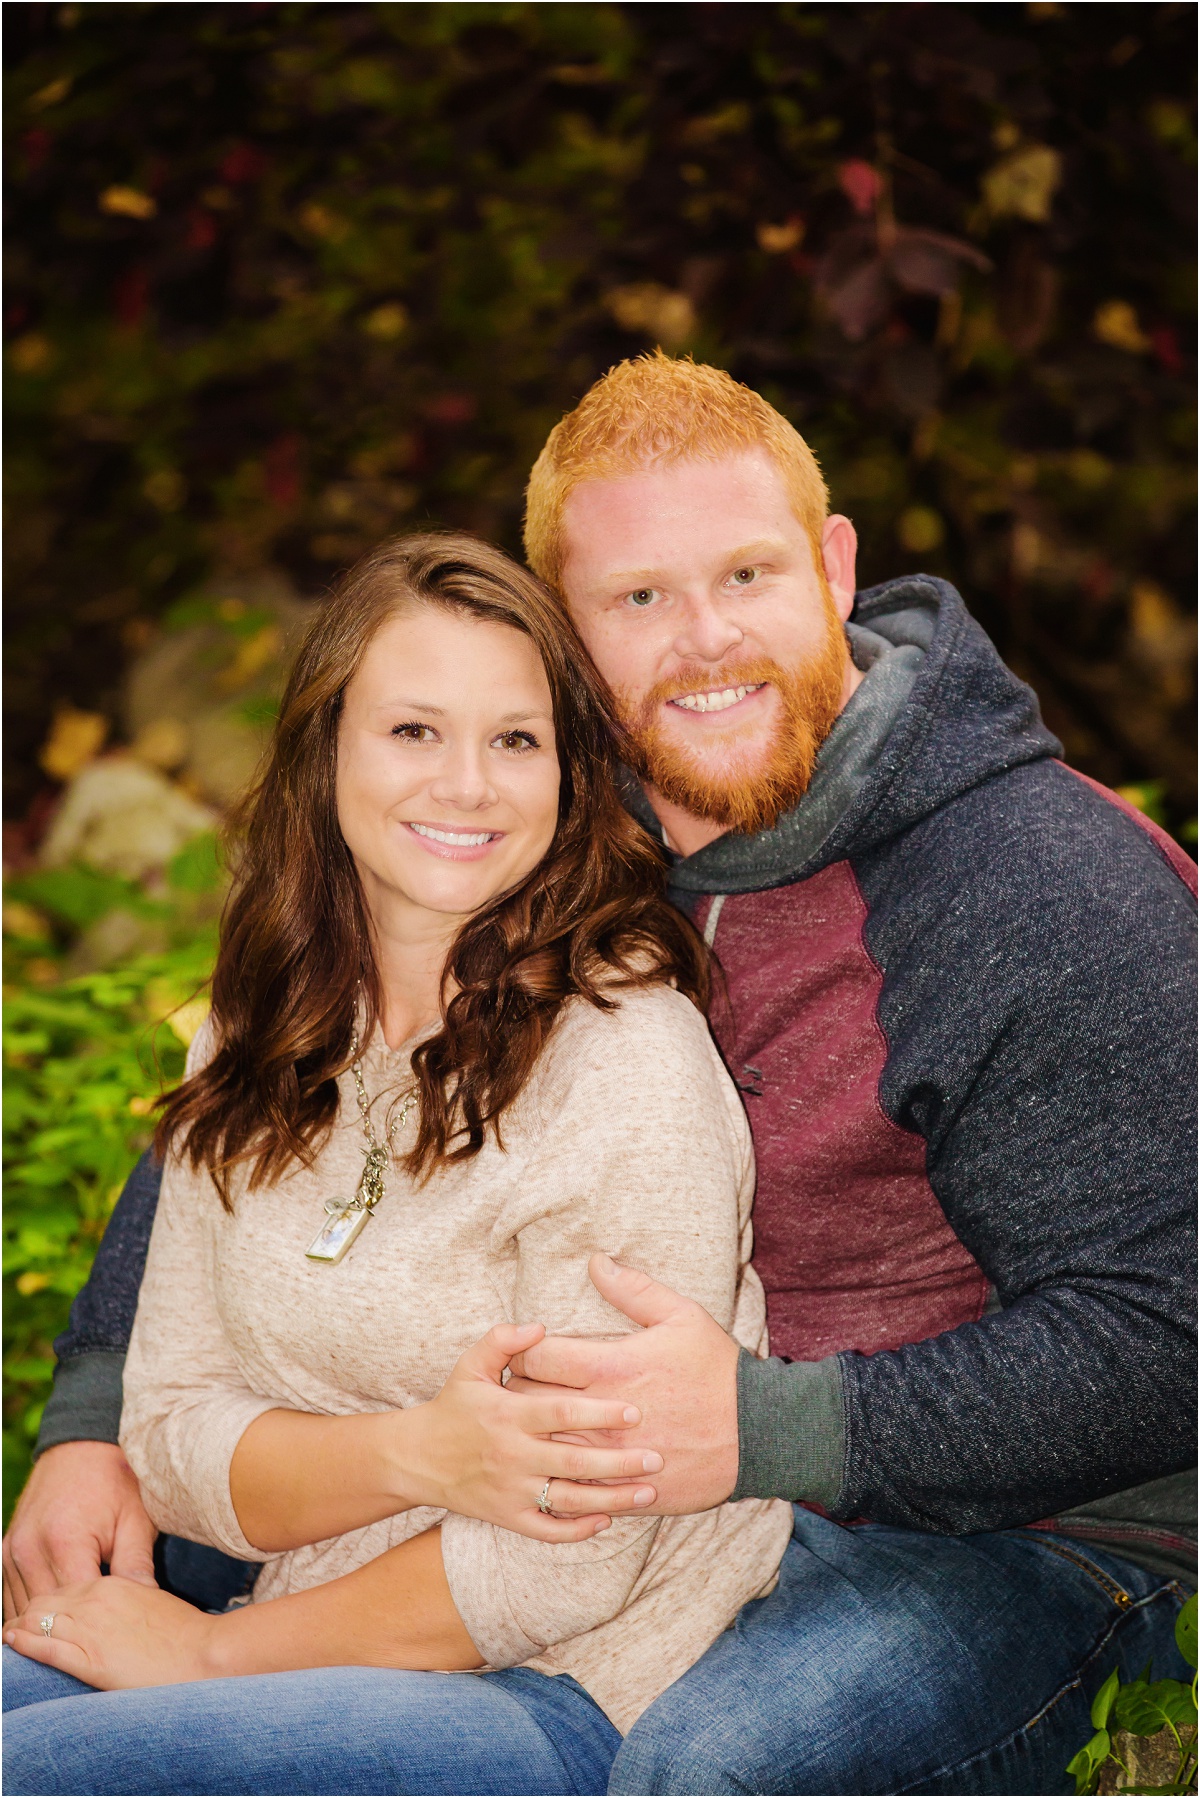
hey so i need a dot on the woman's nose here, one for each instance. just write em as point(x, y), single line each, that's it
point(462, 781)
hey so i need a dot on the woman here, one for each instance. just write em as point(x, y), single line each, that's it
point(455, 1049)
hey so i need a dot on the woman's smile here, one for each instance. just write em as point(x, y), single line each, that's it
point(452, 842)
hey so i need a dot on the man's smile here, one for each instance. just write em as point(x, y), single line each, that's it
point(719, 699)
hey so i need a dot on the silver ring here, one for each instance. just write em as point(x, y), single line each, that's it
point(543, 1505)
point(46, 1625)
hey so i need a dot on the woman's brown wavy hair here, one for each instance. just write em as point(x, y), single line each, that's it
point(296, 955)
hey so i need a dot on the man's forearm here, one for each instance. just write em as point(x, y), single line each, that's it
point(85, 1405)
point(397, 1611)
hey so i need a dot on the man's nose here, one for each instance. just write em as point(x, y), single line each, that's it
point(706, 632)
point(462, 782)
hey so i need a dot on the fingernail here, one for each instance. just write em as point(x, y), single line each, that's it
point(652, 1463)
point(601, 1524)
point(608, 1264)
point(631, 1414)
point(644, 1495)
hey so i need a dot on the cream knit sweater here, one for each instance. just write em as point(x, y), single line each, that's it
point(629, 1137)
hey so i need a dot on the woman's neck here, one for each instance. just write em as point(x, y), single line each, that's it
point(410, 953)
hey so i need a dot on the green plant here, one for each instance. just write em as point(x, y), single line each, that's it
point(1143, 1707)
point(84, 1060)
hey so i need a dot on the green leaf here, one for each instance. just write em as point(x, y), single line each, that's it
point(1185, 1631)
point(1087, 1763)
point(1102, 1703)
point(1145, 1709)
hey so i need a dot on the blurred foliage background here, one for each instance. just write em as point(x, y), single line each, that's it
point(285, 278)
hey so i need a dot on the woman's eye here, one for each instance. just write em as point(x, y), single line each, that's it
point(415, 733)
point(518, 740)
point(642, 596)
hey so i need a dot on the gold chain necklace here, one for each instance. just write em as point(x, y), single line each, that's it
point(347, 1217)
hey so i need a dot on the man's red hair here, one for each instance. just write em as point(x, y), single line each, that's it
point(661, 409)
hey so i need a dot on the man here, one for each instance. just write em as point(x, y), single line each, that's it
point(957, 998)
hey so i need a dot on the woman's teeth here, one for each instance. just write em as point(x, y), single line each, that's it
point(715, 702)
point(458, 839)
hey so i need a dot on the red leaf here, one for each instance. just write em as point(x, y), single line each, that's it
point(131, 296)
point(242, 164)
point(1165, 344)
point(281, 469)
point(861, 184)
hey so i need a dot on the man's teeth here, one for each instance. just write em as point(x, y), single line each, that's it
point(458, 839)
point(715, 702)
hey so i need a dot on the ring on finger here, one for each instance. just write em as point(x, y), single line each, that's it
point(46, 1624)
point(543, 1501)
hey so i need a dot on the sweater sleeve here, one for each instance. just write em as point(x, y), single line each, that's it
point(186, 1401)
point(644, 1152)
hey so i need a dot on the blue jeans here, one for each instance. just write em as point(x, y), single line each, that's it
point(892, 1661)
point(334, 1729)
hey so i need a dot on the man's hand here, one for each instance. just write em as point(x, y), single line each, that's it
point(680, 1370)
point(81, 1506)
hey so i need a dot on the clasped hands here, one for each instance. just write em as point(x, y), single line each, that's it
point(651, 1418)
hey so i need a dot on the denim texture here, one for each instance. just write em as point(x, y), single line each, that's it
point(886, 1661)
point(341, 1730)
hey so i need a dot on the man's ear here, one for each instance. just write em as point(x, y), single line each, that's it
point(839, 546)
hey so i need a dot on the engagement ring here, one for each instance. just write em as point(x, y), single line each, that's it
point(46, 1625)
point(543, 1505)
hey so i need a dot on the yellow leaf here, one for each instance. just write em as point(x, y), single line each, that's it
point(50, 95)
point(128, 203)
point(1023, 184)
point(387, 321)
point(318, 220)
point(31, 353)
point(1116, 323)
point(165, 488)
point(75, 739)
point(142, 1107)
point(186, 1020)
point(919, 529)
point(776, 239)
point(253, 655)
point(29, 1283)
point(24, 921)
point(658, 311)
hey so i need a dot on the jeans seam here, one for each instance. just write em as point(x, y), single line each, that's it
point(1064, 1691)
point(1121, 1598)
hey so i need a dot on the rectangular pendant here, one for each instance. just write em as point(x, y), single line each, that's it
point(337, 1234)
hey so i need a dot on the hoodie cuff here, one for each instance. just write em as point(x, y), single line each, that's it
point(85, 1403)
point(791, 1430)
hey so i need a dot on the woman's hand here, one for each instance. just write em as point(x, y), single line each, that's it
point(483, 1451)
point(112, 1633)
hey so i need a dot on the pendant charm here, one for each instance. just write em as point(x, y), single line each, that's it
point(339, 1232)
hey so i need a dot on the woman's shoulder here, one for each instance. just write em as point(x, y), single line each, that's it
point(201, 1049)
point(646, 1038)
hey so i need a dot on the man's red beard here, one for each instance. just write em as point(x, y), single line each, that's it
point(754, 795)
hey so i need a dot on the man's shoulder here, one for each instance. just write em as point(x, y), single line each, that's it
point(1039, 841)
